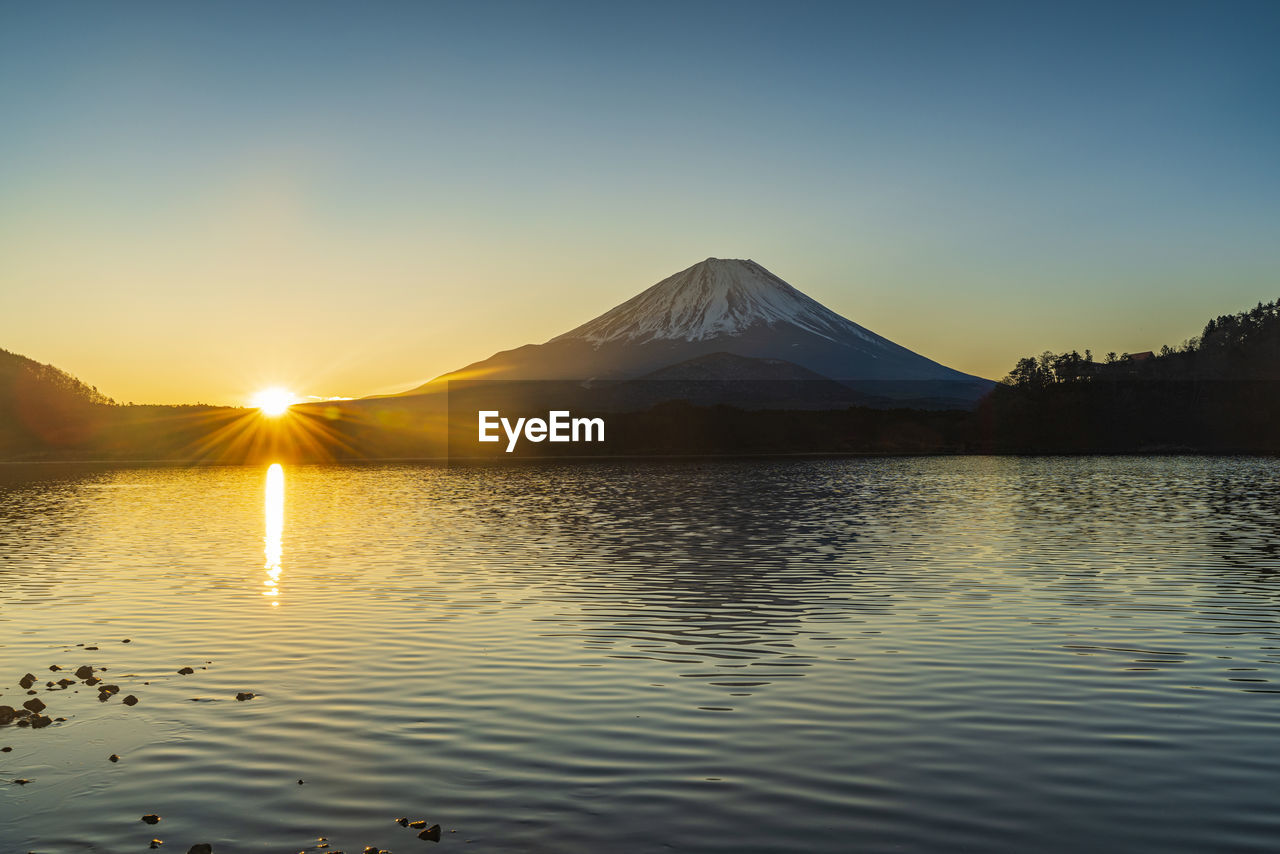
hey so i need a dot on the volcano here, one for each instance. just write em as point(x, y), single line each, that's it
point(727, 306)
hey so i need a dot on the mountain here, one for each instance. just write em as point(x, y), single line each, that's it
point(740, 381)
point(725, 306)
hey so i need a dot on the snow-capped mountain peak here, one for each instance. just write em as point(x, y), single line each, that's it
point(716, 297)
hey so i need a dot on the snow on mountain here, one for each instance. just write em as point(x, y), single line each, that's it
point(714, 298)
point(728, 307)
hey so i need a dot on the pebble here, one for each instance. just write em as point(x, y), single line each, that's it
point(54, 667)
point(417, 825)
point(156, 843)
point(34, 705)
point(130, 700)
point(115, 757)
point(245, 695)
point(27, 681)
point(200, 848)
point(22, 781)
point(151, 818)
point(185, 671)
point(126, 640)
point(84, 671)
point(432, 833)
point(5, 749)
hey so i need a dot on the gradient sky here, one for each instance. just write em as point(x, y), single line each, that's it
point(197, 200)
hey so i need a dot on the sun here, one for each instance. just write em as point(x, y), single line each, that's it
point(273, 401)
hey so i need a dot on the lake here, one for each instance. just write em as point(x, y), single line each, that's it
point(890, 654)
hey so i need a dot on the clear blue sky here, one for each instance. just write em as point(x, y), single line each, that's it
point(199, 199)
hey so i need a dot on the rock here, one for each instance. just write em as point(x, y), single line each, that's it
point(299, 782)
point(92, 680)
point(34, 705)
point(200, 848)
point(417, 825)
point(22, 781)
point(54, 667)
point(59, 720)
point(6, 749)
point(65, 682)
point(84, 671)
point(370, 849)
point(115, 757)
point(27, 681)
point(130, 700)
point(432, 833)
point(156, 843)
point(245, 695)
point(151, 818)
point(6, 714)
point(90, 647)
point(403, 822)
point(126, 640)
point(40, 721)
point(185, 671)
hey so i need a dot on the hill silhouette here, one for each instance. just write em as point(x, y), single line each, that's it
point(1215, 393)
point(42, 406)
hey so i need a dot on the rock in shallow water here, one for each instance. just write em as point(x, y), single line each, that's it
point(130, 700)
point(151, 818)
point(185, 671)
point(432, 833)
point(27, 681)
point(200, 848)
point(84, 672)
point(34, 705)
point(115, 757)
point(245, 695)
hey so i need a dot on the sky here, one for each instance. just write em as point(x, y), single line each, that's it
point(200, 200)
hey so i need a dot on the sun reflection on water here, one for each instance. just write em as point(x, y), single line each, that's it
point(273, 510)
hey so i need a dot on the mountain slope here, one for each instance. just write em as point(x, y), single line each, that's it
point(719, 306)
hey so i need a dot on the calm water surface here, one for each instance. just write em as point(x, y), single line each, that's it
point(959, 654)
